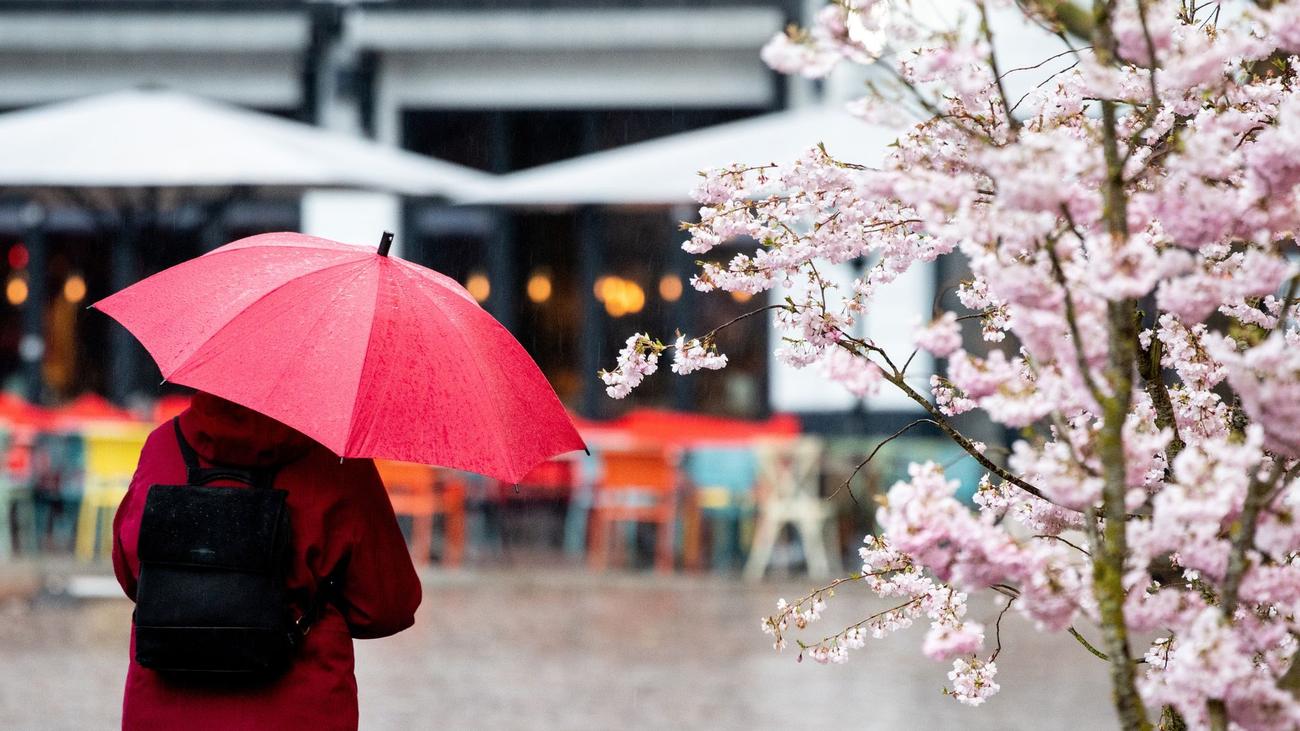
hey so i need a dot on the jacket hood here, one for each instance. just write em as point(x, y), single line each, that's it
point(226, 433)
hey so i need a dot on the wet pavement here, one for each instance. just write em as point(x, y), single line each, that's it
point(560, 649)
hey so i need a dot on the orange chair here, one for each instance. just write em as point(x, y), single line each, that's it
point(637, 485)
point(421, 493)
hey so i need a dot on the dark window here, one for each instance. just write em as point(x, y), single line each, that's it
point(505, 141)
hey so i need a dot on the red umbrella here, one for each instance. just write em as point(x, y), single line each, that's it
point(16, 410)
point(90, 407)
point(370, 355)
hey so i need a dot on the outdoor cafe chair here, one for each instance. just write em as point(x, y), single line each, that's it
point(17, 510)
point(789, 474)
point(111, 457)
point(533, 511)
point(721, 478)
point(58, 469)
point(637, 485)
point(421, 493)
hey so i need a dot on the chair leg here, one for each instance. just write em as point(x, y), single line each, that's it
point(836, 549)
point(692, 524)
point(104, 523)
point(6, 528)
point(812, 533)
point(87, 519)
point(421, 537)
point(725, 526)
point(624, 551)
point(454, 532)
point(664, 546)
point(760, 554)
point(598, 544)
point(575, 524)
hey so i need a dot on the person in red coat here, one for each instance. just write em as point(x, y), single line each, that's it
point(341, 519)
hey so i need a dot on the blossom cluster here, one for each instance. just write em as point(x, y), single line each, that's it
point(1130, 308)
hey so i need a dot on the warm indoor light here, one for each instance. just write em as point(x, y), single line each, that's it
point(635, 296)
point(478, 286)
point(539, 287)
point(604, 286)
point(621, 296)
point(741, 296)
point(615, 307)
point(16, 291)
point(74, 289)
point(670, 287)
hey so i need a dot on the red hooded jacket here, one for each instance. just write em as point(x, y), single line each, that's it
point(341, 517)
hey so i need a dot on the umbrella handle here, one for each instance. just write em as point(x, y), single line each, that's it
point(385, 243)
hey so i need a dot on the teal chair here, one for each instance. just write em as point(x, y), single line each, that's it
point(60, 465)
point(723, 478)
point(580, 500)
point(892, 461)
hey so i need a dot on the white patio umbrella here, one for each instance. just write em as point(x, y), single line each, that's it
point(164, 140)
point(139, 151)
point(663, 171)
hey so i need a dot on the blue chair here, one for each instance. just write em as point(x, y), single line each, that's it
point(723, 478)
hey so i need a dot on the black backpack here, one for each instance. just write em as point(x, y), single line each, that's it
point(211, 598)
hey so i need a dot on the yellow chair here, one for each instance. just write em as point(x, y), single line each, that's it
point(111, 457)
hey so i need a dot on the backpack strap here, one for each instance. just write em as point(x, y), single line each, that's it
point(197, 474)
point(190, 456)
point(328, 591)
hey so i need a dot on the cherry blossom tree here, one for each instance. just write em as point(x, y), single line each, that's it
point(1128, 227)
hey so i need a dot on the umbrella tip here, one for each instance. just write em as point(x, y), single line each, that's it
point(385, 243)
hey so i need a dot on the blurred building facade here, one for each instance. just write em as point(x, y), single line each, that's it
point(499, 85)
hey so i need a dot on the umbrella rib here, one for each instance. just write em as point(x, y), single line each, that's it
point(365, 360)
point(496, 433)
point(280, 377)
point(189, 359)
point(325, 311)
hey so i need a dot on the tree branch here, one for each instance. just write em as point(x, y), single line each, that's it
point(1086, 644)
point(1111, 544)
point(1243, 536)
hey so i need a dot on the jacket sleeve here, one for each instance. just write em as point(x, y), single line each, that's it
point(381, 590)
point(126, 521)
point(126, 574)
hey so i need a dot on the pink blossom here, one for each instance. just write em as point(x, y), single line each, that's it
point(972, 681)
point(638, 359)
point(856, 374)
point(941, 337)
point(1188, 300)
point(945, 641)
point(692, 355)
point(1267, 379)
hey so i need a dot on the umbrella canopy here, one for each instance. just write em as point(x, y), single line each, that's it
point(16, 410)
point(89, 408)
point(144, 138)
point(370, 355)
point(663, 171)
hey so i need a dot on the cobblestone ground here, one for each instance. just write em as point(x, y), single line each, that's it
point(554, 649)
